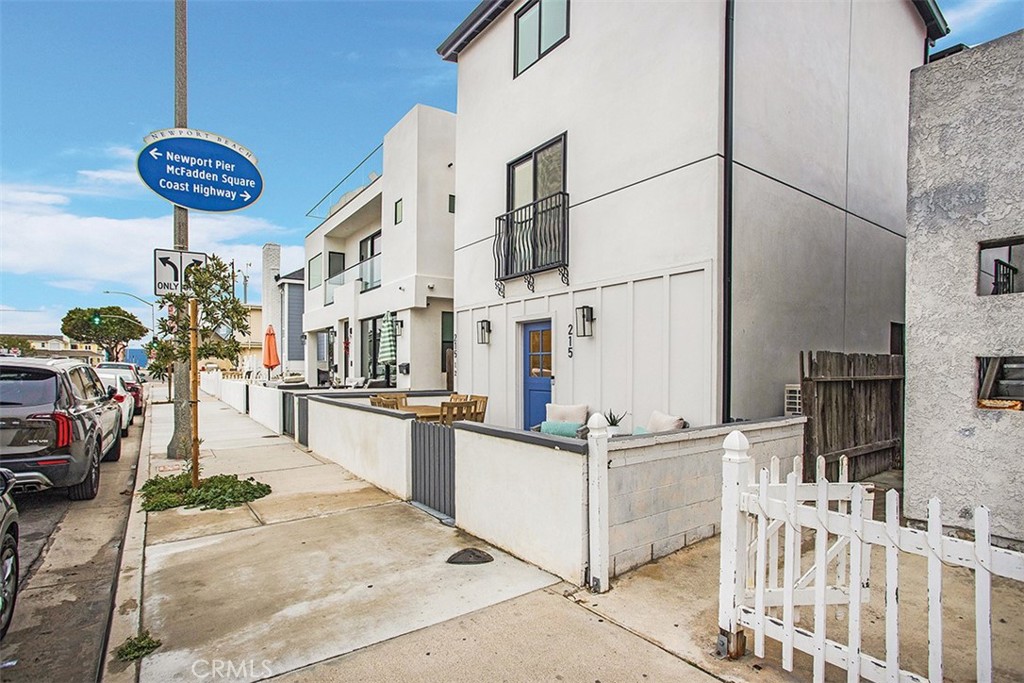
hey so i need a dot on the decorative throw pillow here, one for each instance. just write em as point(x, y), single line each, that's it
point(567, 413)
point(560, 428)
point(660, 422)
point(638, 430)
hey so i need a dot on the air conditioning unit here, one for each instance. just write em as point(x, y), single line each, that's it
point(792, 400)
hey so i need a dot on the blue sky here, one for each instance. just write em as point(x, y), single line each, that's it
point(309, 87)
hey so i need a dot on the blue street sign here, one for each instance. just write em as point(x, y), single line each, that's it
point(199, 170)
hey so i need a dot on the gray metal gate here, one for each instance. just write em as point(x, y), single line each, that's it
point(288, 413)
point(302, 428)
point(433, 467)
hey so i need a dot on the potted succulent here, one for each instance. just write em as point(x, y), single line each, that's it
point(614, 429)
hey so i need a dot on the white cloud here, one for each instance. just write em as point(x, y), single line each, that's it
point(117, 176)
point(42, 237)
point(121, 152)
point(968, 13)
point(43, 321)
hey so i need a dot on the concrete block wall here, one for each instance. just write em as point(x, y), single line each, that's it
point(665, 490)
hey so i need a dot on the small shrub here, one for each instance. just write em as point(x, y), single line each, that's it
point(218, 492)
point(137, 647)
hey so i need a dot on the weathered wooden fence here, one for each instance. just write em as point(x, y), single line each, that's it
point(854, 407)
point(755, 513)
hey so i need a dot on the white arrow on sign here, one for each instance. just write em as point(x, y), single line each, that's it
point(245, 195)
point(155, 154)
point(172, 270)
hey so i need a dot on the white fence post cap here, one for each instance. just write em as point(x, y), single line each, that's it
point(736, 443)
point(597, 422)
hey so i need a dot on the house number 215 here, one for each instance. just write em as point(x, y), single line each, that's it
point(570, 341)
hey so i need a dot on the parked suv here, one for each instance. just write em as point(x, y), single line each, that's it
point(56, 422)
point(9, 565)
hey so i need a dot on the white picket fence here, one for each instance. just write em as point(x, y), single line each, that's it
point(755, 513)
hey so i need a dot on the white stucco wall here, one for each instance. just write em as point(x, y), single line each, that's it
point(965, 180)
point(265, 405)
point(374, 446)
point(528, 499)
point(232, 392)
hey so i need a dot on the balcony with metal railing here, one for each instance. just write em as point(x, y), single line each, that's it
point(1004, 278)
point(532, 239)
point(366, 273)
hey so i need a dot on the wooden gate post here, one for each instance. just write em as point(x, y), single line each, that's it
point(597, 478)
point(737, 474)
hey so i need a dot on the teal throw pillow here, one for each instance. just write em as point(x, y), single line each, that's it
point(560, 428)
point(640, 430)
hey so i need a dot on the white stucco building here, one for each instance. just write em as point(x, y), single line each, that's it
point(387, 247)
point(717, 195)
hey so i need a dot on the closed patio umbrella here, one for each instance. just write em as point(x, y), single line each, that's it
point(270, 358)
point(387, 354)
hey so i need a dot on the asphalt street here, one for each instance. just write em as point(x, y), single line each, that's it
point(69, 553)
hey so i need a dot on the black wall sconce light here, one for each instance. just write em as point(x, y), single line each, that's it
point(399, 328)
point(303, 337)
point(483, 332)
point(585, 321)
point(332, 334)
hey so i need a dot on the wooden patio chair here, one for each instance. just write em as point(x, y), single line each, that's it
point(388, 402)
point(403, 399)
point(481, 407)
point(456, 398)
point(453, 411)
point(375, 401)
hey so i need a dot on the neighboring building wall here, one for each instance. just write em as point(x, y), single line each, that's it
point(415, 265)
point(965, 180)
point(822, 92)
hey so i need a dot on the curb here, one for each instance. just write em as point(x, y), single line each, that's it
point(126, 618)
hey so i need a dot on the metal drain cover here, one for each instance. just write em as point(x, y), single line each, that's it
point(470, 556)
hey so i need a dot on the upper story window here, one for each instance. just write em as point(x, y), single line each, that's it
point(315, 274)
point(537, 174)
point(540, 27)
point(398, 212)
point(369, 261)
point(999, 267)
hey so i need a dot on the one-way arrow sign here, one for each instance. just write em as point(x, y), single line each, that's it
point(171, 267)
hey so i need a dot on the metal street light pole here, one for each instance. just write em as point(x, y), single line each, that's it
point(152, 310)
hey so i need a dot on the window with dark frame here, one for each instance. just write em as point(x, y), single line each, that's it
point(451, 203)
point(314, 273)
point(398, 212)
point(1000, 266)
point(447, 335)
point(335, 263)
point(369, 270)
point(537, 175)
point(541, 26)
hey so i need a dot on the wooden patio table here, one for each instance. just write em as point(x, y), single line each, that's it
point(424, 413)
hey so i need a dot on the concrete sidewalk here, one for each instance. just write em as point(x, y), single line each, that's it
point(329, 578)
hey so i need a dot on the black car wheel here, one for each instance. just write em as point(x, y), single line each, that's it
point(88, 489)
point(8, 581)
point(114, 454)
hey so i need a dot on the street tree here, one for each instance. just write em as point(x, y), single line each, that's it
point(109, 327)
point(221, 317)
point(19, 346)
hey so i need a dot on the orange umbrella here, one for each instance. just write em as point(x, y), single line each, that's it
point(270, 358)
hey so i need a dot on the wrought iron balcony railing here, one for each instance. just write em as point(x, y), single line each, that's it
point(532, 239)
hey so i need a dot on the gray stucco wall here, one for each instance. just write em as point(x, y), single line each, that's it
point(966, 174)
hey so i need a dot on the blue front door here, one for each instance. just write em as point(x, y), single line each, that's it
point(536, 372)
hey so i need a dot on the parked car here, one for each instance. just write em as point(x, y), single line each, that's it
point(57, 421)
point(123, 398)
point(9, 565)
point(118, 365)
point(131, 380)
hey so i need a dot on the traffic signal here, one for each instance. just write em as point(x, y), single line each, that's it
point(95, 318)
